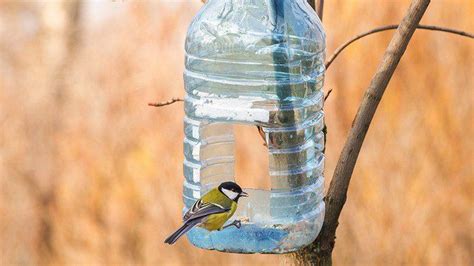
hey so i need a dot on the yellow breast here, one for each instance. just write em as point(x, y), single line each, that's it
point(216, 221)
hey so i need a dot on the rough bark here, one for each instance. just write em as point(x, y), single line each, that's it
point(320, 251)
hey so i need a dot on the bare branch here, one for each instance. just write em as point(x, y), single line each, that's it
point(173, 100)
point(327, 94)
point(320, 251)
point(392, 27)
point(262, 135)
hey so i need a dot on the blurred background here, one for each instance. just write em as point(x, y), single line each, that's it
point(89, 174)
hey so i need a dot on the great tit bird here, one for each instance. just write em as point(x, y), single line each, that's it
point(212, 210)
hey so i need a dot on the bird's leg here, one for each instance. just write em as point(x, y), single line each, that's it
point(235, 223)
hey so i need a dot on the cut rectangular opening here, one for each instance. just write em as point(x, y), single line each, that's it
point(251, 158)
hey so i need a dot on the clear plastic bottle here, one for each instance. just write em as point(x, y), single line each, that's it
point(258, 62)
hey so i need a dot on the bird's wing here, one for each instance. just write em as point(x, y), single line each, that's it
point(201, 209)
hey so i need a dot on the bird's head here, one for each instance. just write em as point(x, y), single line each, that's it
point(232, 191)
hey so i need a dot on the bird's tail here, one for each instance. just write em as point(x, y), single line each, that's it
point(181, 231)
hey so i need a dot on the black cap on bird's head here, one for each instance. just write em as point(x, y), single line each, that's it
point(232, 190)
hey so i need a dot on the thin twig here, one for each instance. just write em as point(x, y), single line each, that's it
point(173, 100)
point(262, 135)
point(392, 27)
point(327, 94)
point(320, 251)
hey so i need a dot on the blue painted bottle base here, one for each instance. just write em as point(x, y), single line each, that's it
point(252, 238)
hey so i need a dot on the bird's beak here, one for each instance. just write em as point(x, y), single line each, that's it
point(244, 194)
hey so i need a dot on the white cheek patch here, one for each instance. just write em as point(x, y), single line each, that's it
point(231, 194)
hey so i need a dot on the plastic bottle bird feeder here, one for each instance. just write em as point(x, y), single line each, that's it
point(257, 62)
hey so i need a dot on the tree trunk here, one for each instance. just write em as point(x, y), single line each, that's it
point(320, 251)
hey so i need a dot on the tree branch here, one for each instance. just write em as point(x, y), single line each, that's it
point(327, 95)
point(160, 104)
point(392, 27)
point(320, 251)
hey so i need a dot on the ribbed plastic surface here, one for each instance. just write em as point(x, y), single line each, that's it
point(257, 62)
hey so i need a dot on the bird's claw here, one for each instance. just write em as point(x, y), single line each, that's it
point(235, 223)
